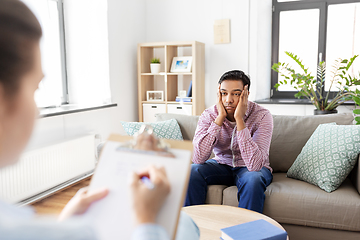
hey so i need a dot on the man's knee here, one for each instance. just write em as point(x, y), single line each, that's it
point(203, 169)
point(195, 172)
point(254, 178)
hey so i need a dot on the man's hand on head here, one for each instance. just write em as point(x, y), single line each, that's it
point(241, 109)
point(221, 109)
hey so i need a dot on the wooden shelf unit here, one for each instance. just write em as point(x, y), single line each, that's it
point(168, 82)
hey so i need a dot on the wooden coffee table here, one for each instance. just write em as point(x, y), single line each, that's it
point(211, 218)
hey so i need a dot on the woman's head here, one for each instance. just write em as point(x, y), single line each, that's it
point(20, 74)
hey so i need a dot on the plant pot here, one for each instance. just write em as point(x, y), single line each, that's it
point(319, 112)
point(155, 67)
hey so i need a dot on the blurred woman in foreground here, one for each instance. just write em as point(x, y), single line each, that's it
point(20, 75)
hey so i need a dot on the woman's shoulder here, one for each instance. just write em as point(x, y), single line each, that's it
point(9, 211)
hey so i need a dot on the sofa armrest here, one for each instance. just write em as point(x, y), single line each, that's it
point(355, 175)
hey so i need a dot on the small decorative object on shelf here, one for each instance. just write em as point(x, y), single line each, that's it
point(183, 99)
point(155, 65)
point(182, 93)
point(154, 95)
point(181, 64)
point(189, 92)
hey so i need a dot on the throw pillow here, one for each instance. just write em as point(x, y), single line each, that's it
point(168, 129)
point(328, 156)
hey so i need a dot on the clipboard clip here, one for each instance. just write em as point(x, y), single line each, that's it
point(146, 142)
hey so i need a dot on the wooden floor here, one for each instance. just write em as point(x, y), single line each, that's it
point(55, 203)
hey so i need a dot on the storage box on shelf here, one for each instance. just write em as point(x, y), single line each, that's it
point(170, 82)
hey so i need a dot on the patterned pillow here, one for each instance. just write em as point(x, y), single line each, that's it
point(328, 156)
point(168, 129)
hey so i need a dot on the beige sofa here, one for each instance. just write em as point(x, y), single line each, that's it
point(304, 210)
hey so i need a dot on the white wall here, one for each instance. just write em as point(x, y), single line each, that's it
point(250, 47)
point(171, 20)
point(126, 30)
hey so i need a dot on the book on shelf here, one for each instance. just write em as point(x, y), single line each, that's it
point(255, 230)
point(189, 92)
point(183, 99)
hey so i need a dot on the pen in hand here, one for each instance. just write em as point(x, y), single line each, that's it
point(147, 182)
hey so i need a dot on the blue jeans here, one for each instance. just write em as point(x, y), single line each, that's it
point(251, 185)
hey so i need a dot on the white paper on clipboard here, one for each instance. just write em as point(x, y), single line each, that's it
point(113, 215)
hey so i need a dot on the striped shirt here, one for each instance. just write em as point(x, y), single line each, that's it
point(246, 148)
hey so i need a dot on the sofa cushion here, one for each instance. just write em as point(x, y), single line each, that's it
point(355, 175)
point(328, 156)
point(187, 123)
point(296, 202)
point(168, 129)
point(215, 194)
point(292, 132)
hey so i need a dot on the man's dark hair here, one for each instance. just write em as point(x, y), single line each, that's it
point(19, 32)
point(236, 75)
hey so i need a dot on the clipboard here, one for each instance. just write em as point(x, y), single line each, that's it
point(113, 216)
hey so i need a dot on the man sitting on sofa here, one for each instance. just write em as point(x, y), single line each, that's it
point(239, 132)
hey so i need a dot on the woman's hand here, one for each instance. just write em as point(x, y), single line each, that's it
point(147, 202)
point(81, 202)
point(221, 109)
point(146, 142)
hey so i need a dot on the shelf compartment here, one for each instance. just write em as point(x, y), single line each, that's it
point(172, 88)
point(175, 83)
point(151, 83)
point(147, 53)
point(176, 51)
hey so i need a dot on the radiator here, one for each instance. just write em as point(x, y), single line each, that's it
point(42, 171)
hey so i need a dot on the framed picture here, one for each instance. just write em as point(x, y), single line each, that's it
point(154, 95)
point(181, 64)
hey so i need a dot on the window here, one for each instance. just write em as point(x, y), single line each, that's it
point(315, 31)
point(53, 88)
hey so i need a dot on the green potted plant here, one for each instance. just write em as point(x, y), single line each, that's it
point(155, 65)
point(312, 87)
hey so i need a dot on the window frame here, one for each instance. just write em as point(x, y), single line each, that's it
point(65, 97)
point(278, 7)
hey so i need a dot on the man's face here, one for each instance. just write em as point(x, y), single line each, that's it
point(230, 93)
